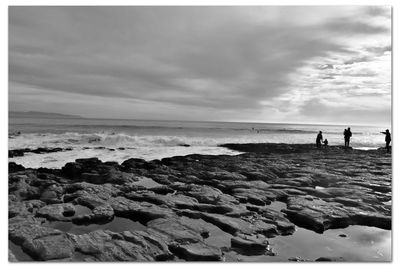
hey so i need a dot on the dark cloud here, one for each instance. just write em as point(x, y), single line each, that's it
point(378, 11)
point(211, 58)
point(327, 77)
point(234, 56)
point(358, 60)
point(325, 66)
point(379, 50)
point(352, 26)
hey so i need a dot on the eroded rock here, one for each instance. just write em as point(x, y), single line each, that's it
point(231, 193)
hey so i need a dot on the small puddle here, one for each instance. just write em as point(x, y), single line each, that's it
point(18, 252)
point(118, 224)
point(319, 188)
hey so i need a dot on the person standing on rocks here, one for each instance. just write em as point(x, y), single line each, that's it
point(347, 134)
point(388, 139)
point(319, 139)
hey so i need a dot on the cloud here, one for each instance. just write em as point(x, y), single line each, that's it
point(229, 60)
point(345, 113)
point(378, 11)
point(349, 25)
point(325, 66)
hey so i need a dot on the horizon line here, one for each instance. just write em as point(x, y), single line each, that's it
point(216, 121)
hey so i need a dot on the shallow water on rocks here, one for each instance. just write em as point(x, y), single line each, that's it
point(354, 243)
point(18, 252)
point(118, 224)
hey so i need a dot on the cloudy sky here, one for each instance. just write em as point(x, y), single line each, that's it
point(266, 64)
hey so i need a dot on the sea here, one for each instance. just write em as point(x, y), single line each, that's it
point(119, 140)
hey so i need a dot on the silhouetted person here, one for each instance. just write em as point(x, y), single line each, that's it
point(347, 134)
point(319, 139)
point(388, 139)
point(325, 142)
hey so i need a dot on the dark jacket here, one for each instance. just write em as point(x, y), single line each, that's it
point(319, 138)
point(347, 134)
point(388, 138)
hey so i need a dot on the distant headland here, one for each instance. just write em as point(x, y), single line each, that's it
point(37, 114)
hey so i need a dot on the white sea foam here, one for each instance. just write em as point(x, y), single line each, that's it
point(111, 140)
point(155, 140)
point(59, 159)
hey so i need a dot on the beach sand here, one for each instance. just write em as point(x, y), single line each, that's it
point(274, 202)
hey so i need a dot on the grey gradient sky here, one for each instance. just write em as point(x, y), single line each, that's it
point(267, 64)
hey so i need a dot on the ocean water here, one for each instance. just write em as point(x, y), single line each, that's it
point(118, 140)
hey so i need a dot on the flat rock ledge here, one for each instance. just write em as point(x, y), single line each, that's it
point(185, 204)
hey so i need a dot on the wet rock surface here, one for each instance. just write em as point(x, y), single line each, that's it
point(191, 196)
point(41, 150)
point(250, 245)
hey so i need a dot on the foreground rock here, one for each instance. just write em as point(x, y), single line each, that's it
point(126, 246)
point(318, 215)
point(197, 207)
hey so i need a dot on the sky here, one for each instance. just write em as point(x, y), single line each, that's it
point(303, 64)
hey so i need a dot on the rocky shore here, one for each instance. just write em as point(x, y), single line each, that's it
point(195, 207)
point(41, 150)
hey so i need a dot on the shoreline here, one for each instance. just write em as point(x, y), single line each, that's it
point(15, 154)
point(176, 205)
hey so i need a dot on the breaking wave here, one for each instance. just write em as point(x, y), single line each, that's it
point(117, 140)
point(107, 140)
point(119, 146)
